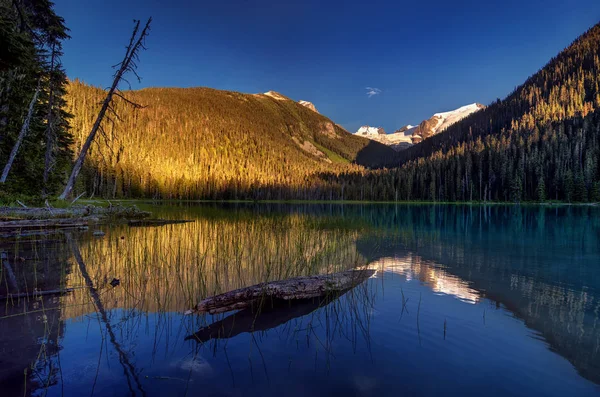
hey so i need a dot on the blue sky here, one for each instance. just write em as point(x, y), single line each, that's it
point(417, 57)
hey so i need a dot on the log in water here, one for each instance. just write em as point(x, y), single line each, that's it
point(294, 288)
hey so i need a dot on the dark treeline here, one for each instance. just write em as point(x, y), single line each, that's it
point(552, 161)
point(557, 161)
point(32, 89)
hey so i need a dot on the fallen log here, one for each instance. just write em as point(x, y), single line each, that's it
point(294, 288)
point(113, 212)
point(35, 294)
point(26, 224)
point(270, 315)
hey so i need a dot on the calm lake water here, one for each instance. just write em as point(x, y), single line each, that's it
point(466, 300)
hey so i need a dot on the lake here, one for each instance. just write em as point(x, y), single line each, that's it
point(465, 300)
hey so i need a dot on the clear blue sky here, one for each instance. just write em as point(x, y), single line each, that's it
point(423, 56)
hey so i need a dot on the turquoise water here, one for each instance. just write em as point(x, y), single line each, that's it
point(466, 300)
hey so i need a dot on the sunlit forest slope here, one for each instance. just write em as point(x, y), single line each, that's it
point(541, 142)
point(202, 143)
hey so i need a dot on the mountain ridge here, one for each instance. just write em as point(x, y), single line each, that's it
point(207, 143)
point(408, 135)
point(573, 92)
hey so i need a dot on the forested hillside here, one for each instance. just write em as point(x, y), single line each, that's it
point(201, 143)
point(557, 161)
point(541, 142)
point(565, 88)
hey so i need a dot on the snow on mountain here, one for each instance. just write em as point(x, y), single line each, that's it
point(276, 95)
point(397, 140)
point(440, 121)
point(309, 105)
point(409, 134)
point(453, 116)
point(370, 132)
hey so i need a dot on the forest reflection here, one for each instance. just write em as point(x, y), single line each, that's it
point(515, 256)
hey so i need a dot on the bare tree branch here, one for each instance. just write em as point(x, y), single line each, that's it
point(134, 104)
point(135, 44)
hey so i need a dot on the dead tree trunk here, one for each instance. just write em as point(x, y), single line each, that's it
point(50, 125)
point(127, 65)
point(24, 130)
point(128, 368)
point(293, 288)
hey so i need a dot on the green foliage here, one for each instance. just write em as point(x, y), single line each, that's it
point(541, 190)
point(595, 193)
point(31, 41)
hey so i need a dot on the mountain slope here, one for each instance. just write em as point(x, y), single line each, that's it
point(397, 140)
point(541, 142)
point(206, 143)
point(563, 89)
point(440, 121)
point(309, 105)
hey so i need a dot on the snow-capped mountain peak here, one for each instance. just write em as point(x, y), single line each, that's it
point(309, 105)
point(446, 119)
point(368, 131)
point(473, 107)
point(397, 140)
point(410, 134)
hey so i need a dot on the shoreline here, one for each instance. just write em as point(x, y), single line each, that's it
point(338, 202)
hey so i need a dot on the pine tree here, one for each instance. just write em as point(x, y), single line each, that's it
point(541, 190)
point(595, 193)
point(31, 38)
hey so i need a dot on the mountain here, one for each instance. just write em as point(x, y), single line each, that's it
point(309, 105)
point(440, 121)
point(370, 132)
point(401, 138)
point(565, 88)
point(398, 140)
point(541, 142)
point(204, 143)
point(408, 135)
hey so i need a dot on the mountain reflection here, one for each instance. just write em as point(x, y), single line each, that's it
point(539, 263)
point(440, 281)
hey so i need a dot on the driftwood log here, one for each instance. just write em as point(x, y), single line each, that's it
point(263, 318)
point(35, 294)
point(46, 223)
point(294, 288)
